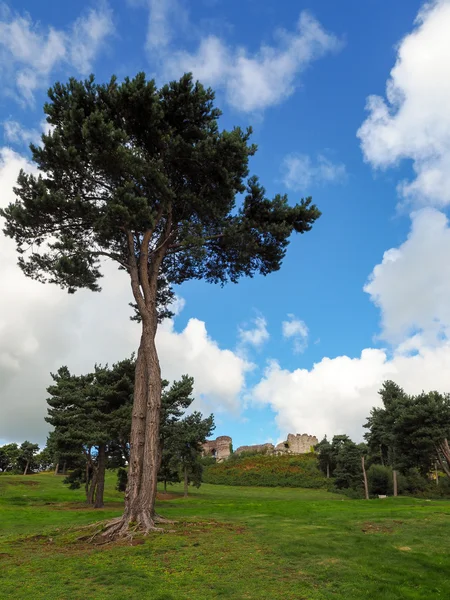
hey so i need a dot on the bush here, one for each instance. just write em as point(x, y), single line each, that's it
point(380, 480)
point(267, 470)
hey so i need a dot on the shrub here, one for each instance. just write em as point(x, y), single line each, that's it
point(380, 480)
point(267, 470)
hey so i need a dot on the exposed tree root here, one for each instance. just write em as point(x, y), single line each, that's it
point(124, 528)
point(162, 520)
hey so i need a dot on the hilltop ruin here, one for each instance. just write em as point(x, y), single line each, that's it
point(298, 443)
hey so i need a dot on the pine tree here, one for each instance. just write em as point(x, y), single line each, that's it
point(144, 177)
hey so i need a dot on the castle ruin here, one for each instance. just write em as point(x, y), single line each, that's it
point(220, 448)
point(298, 443)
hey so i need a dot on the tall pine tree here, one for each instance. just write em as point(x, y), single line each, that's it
point(144, 177)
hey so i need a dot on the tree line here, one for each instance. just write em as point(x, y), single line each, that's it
point(406, 447)
point(91, 416)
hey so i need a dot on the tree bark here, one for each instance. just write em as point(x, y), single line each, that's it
point(165, 486)
point(366, 486)
point(444, 466)
point(394, 481)
point(140, 496)
point(92, 487)
point(56, 468)
point(101, 466)
point(64, 467)
point(185, 482)
point(328, 470)
point(26, 467)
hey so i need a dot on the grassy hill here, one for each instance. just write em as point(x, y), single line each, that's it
point(235, 543)
point(267, 470)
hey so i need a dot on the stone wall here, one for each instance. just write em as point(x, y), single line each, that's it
point(263, 448)
point(219, 448)
point(299, 443)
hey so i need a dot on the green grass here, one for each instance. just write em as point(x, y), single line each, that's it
point(229, 542)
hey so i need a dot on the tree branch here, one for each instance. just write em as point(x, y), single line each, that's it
point(134, 275)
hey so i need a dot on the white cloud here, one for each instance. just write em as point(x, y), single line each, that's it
point(87, 37)
point(43, 327)
point(160, 23)
point(257, 335)
point(336, 395)
point(413, 122)
point(29, 52)
point(300, 172)
point(411, 286)
point(256, 81)
point(296, 330)
point(219, 374)
point(16, 134)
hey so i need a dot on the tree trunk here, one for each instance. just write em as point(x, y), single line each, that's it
point(445, 449)
point(140, 495)
point(185, 482)
point(366, 486)
point(328, 470)
point(92, 487)
point(88, 480)
point(165, 486)
point(56, 468)
point(436, 473)
point(444, 466)
point(26, 467)
point(381, 455)
point(64, 467)
point(394, 480)
point(101, 465)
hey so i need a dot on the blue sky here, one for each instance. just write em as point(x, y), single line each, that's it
point(302, 74)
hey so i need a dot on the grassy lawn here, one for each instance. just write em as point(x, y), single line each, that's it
point(229, 542)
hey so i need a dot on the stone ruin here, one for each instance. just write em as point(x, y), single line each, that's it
point(299, 443)
point(261, 448)
point(220, 448)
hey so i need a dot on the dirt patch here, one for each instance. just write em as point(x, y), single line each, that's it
point(19, 482)
point(168, 496)
point(369, 527)
point(85, 507)
point(188, 527)
point(404, 548)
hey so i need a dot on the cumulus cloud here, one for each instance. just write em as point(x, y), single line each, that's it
point(413, 121)
point(411, 286)
point(296, 330)
point(43, 327)
point(219, 374)
point(29, 52)
point(251, 82)
point(256, 335)
point(300, 171)
point(336, 395)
